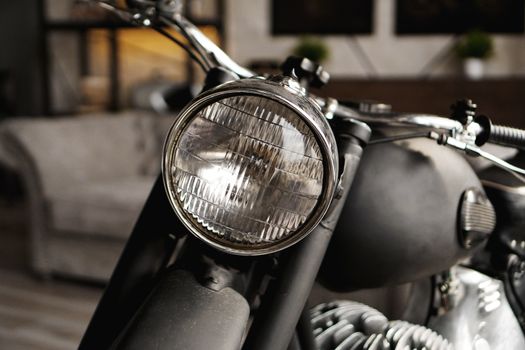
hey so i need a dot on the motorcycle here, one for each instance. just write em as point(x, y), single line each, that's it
point(266, 188)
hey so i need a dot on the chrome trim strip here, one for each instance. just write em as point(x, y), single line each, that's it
point(517, 190)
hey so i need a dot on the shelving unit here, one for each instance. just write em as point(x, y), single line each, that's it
point(113, 26)
point(499, 98)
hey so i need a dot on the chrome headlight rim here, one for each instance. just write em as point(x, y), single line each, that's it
point(309, 113)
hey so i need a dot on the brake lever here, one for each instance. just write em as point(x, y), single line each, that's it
point(390, 118)
point(210, 53)
point(459, 137)
point(213, 56)
point(475, 151)
point(136, 18)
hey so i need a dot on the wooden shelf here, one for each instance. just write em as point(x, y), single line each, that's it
point(502, 99)
point(80, 29)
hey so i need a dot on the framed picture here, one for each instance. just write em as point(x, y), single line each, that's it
point(322, 17)
point(459, 16)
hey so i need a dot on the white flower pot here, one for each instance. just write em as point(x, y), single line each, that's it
point(474, 68)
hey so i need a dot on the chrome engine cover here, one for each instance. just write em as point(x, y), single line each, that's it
point(481, 317)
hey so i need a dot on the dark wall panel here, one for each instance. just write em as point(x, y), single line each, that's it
point(455, 16)
point(20, 59)
point(321, 17)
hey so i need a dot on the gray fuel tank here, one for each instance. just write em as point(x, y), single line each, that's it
point(400, 221)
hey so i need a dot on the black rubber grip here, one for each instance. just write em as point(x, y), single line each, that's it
point(508, 136)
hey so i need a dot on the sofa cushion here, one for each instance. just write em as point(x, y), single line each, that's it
point(70, 151)
point(108, 208)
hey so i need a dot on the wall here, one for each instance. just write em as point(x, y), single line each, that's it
point(19, 57)
point(145, 57)
point(249, 37)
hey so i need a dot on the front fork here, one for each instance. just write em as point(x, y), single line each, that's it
point(142, 271)
point(281, 306)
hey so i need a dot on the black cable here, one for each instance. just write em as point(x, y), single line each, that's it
point(147, 52)
point(119, 11)
point(184, 46)
point(305, 332)
point(399, 137)
point(517, 305)
point(430, 311)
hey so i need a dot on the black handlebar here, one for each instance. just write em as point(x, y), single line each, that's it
point(507, 136)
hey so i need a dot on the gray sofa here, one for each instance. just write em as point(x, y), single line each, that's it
point(86, 179)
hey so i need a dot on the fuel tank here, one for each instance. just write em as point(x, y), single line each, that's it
point(403, 217)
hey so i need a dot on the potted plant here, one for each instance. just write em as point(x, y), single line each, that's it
point(312, 48)
point(474, 48)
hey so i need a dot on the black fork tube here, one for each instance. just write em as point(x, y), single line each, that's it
point(145, 254)
point(281, 306)
point(305, 331)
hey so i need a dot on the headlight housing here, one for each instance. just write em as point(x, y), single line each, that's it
point(250, 167)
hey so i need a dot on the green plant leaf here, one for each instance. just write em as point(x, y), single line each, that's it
point(475, 44)
point(312, 48)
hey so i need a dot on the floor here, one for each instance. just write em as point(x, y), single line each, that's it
point(36, 314)
point(43, 315)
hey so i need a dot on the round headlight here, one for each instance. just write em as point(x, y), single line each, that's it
point(250, 167)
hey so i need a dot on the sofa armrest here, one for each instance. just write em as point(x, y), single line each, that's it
point(52, 155)
point(14, 156)
point(70, 151)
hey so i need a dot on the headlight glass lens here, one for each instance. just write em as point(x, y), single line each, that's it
point(247, 171)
